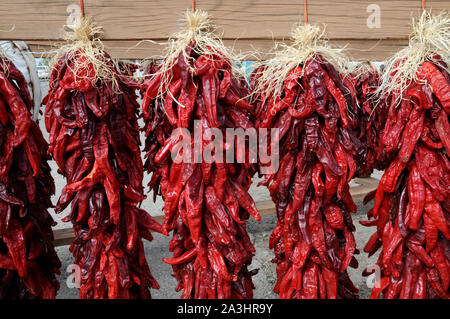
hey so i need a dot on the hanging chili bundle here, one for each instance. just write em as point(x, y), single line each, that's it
point(91, 115)
point(367, 121)
point(412, 202)
point(28, 261)
point(305, 95)
point(206, 201)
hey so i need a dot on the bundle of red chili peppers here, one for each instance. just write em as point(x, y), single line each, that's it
point(28, 261)
point(94, 139)
point(412, 202)
point(313, 239)
point(367, 121)
point(206, 203)
point(412, 206)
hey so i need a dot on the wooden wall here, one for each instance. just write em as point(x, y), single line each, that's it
point(372, 29)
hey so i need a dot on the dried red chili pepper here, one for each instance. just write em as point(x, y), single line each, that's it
point(313, 240)
point(367, 120)
point(411, 203)
point(206, 204)
point(94, 138)
point(28, 261)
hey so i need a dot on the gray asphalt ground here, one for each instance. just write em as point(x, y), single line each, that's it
point(259, 232)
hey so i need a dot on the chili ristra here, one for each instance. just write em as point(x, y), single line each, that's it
point(367, 120)
point(206, 203)
point(313, 240)
point(94, 139)
point(411, 209)
point(28, 261)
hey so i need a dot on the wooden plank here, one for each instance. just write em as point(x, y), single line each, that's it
point(371, 50)
point(267, 207)
point(366, 185)
point(239, 19)
point(367, 181)
point(63, 236)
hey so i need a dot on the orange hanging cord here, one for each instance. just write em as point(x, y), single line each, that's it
point(306, 11)
point(193, 5)
point(82, 8)
point(424, 2)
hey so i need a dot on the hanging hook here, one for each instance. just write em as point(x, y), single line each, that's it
point(306, 11)
point(82, 8)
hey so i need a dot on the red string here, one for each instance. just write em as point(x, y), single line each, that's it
point(82, 8)
point(306, 11)
point(423, 5)
point(193, 5)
